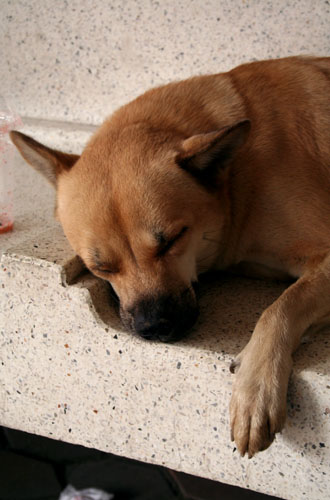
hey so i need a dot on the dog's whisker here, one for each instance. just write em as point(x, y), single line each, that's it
point(211, 240)
point(206, 237)
point(207, 257)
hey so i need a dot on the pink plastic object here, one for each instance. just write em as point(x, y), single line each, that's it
point(8, 121)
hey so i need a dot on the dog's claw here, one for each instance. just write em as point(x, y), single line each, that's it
point(235, 363)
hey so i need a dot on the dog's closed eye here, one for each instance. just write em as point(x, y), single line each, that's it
point(165, 243)
point(97, 265)
point(105, 269)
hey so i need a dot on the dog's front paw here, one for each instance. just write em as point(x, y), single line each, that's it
point(258, 403)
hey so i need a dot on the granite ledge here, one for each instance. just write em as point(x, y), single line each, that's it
point(69, 371)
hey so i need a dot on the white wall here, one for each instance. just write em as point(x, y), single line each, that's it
point(79, 60)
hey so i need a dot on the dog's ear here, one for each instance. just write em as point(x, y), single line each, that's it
point(49, 162)
point(202, 155)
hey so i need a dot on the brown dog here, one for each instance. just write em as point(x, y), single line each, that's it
point(213, 172)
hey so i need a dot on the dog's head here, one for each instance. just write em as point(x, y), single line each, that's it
point(145, 210)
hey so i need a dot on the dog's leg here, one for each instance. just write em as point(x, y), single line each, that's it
point(258, 404)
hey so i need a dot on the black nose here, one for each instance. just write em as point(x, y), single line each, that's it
point(166, 318)
point(160, 329)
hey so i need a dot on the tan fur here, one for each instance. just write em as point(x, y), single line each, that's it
point(220, 171)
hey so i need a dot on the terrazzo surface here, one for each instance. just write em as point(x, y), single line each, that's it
point(77, 61)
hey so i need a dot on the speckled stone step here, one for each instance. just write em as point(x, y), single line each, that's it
point(69, 371)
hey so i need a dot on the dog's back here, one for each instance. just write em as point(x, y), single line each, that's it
point(288, 99)
point(282, 176)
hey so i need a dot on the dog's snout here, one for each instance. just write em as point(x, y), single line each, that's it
point(166, 318)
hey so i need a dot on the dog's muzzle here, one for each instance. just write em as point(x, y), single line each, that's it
point(166, 318)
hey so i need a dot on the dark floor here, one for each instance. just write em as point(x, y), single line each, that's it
point(37, 468)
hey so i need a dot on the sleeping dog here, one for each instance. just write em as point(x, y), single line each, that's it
point(243, 157)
